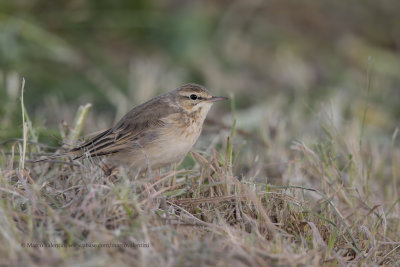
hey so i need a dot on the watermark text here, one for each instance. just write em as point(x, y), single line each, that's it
point(84, 245)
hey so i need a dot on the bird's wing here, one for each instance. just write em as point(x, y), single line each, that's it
point(113, 140)
point(140, 121)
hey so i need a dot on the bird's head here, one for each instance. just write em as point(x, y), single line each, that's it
point(194, 98)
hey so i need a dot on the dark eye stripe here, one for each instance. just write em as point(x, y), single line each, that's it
point(197, 97)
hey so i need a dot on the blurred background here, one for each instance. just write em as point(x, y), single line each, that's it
point(293, 68)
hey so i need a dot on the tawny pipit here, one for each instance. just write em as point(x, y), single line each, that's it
point(154, 134)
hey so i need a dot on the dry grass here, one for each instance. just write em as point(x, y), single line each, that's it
point(336, 215)
point(309, 176)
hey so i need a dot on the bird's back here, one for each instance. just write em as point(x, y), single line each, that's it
point(141, 122)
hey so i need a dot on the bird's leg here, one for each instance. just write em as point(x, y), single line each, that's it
point(109, 171)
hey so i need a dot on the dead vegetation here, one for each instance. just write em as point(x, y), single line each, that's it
point(203, 216)
point(308, 177)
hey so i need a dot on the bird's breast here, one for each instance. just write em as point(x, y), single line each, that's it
point(174, 139)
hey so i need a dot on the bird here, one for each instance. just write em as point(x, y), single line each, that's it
point(155, 134)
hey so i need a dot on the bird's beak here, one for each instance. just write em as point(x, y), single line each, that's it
point(217, 98)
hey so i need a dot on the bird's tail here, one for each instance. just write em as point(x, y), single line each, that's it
point(69, 154)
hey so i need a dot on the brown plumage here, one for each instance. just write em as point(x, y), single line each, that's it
point(154, 134)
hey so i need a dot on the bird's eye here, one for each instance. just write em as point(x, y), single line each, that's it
point(193, 97)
